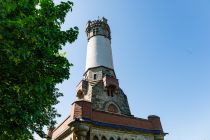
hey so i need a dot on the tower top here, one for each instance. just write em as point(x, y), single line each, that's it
point(98, 27)
point(99, 51)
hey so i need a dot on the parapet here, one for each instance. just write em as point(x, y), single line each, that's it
point(155, 120)
point(98, 27)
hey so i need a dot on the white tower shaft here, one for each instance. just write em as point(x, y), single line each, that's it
point(99, 52)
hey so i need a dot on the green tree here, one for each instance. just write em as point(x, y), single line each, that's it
point(31, 65)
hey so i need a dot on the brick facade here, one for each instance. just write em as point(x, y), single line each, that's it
point(83, 111)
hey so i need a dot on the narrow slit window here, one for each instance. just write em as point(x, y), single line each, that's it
point(108, 92)
point(112, 93)
point(96, 30)
point(94, 77)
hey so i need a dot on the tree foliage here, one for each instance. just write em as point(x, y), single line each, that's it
point(31, 65)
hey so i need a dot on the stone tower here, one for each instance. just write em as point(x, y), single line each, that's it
point(100, 85)
point(101, 110)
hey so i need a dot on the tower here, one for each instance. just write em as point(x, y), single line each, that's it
point(101, 110)
point(100, 85)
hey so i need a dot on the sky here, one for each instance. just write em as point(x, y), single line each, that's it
point(161, 54)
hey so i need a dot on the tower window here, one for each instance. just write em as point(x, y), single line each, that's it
point(94, 76)
point(103, 138)
point(108, 93)
point(95, 31)
point(111, 91)
point(111, 138)
point(95, 138)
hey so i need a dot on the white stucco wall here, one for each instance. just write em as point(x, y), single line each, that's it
point(99, 52)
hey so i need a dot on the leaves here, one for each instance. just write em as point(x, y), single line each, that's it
point(31, 65)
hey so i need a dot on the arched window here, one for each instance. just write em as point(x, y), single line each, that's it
point(111, 138)
point(111, 91)
point(118, 138)
point(103, 138)
point(95, 138)
point(95, 31)
point(112, 108)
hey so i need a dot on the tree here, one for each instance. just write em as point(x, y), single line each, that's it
point(31, 65)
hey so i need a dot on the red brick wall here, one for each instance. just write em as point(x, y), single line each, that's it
point(121, 120)
point(82, 109)
point(155, 120)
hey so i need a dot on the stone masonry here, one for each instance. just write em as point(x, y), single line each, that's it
point(97, 91)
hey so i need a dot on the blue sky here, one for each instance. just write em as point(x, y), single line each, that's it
point(161, 52)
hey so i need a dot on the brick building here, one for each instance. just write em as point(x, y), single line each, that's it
point(101, 111)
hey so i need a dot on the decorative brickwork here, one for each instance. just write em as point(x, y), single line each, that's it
point(112, 108)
